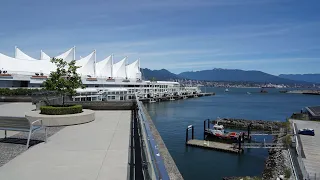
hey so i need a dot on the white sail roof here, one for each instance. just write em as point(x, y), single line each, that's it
point(68, 55)
point(119, 69)
point(21, 55)
point(133, 71)
point(44, 56)
point(87, 65)
point(104, 67)
point(26, 67)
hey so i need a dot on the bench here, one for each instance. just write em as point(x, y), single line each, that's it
point(21, 124)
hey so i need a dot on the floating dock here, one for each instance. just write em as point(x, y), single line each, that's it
point(214, 145)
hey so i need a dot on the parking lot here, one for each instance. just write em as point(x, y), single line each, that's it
point(310, 147)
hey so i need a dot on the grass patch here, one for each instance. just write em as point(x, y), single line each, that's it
point(61, 110)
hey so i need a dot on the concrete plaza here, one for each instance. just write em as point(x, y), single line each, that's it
point(91, 151)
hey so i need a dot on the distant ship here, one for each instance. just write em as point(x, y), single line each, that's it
point(226, 90)
point(248, 92)
point(263, 91)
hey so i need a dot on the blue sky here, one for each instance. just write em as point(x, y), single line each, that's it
point(274, 36)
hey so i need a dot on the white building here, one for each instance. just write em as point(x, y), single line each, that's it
point(104, 77)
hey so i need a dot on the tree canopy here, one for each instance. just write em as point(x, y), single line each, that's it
point(65, 79)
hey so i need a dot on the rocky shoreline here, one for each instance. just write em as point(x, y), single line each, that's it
point(278, 162)
point(256, 124)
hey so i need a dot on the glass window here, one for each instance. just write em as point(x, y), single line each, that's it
point(113, 97)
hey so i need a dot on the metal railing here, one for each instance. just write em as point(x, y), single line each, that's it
point(153, 163)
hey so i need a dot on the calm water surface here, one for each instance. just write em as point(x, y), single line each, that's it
point(171, 119)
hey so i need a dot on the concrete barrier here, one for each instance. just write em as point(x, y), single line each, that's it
point(62, 120)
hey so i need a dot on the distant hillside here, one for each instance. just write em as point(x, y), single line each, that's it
point(236, 75)
point(161, 74)
point(313, 78)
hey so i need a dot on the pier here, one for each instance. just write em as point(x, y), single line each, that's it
point(170, 98)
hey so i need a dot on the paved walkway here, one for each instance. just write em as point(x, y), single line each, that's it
point(92, 151)
point(311, 147)
point(17, 109)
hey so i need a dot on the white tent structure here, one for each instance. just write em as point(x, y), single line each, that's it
point(119, 69)
point(133, 70)
point(87, 64)
point(68, 55)
point(26, 67)
point(44, 56)
point(104, 67)
point(18, 54)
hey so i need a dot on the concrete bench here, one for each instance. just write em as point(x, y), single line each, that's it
point(21, 124)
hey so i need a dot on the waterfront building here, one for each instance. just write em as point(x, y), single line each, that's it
point(104, 79)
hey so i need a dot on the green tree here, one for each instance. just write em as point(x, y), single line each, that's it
point(65, 79)
point(153, 79)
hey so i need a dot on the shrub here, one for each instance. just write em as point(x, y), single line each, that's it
point(60, 110)
point(18, 91)
point(287, 141)
point(287, 173)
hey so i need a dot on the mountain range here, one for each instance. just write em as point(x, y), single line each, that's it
point(313, 78)
point(231, 75)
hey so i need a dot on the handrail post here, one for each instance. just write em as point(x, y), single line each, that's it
point(192, 132)
point(204, 129)
point(187, 135)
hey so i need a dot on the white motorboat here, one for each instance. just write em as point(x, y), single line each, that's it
point(248, 93)
point(152, 101)
point(226, 90)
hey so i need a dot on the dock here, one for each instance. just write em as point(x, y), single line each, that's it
point(213, 145)
point(177, 97)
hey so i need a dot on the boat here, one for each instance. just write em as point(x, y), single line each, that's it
point(226, 90)
point(283, 91)
point(152, 101)
point(185, 97)
point(171, 99)
point(248, 92)
point(263, 91)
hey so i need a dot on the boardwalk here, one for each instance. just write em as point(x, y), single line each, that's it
point(213, 145)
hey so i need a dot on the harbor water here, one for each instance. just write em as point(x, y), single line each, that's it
point(171, 119)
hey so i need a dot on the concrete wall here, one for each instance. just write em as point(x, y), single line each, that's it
point(105, 105)
point(15, 99)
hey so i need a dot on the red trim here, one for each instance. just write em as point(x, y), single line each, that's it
point(91, 79)
point(5, 75)
point(39, 77)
